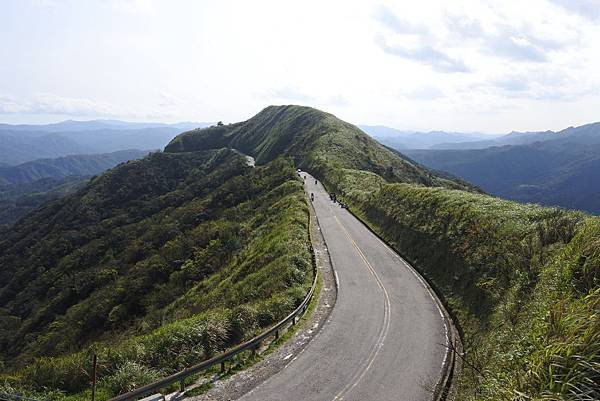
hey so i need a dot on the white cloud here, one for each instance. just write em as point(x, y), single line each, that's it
point(461, 65)
point(48, 103)
point(425, 54)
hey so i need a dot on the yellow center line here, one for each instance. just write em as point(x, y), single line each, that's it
point(356, 378)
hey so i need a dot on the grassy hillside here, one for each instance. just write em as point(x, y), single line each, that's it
point(156, 264)
point(523, 281)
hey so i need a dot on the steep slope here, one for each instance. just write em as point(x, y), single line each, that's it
point(315, 140)
point(151, 242)
point(196, 247)
point(549, 173)
point(522, 281)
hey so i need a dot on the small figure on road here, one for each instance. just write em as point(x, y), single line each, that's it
point(312, 197)
point(316, 182)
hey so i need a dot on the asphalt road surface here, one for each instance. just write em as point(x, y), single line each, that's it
point(385, 338)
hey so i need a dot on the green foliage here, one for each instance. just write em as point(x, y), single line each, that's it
point(158, 264)
point(167, 261)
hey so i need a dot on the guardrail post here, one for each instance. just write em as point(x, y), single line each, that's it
point(223, 367)
point(94, 368)
point(294, 321)
point(277, 334)
point(182, 386)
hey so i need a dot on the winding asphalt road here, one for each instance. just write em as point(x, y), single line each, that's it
point(385, 338)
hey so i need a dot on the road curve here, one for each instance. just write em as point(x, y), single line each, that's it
point(385, 338)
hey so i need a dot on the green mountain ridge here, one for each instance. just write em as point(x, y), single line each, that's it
point(315, 140)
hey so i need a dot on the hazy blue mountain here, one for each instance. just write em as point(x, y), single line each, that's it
point(74, 125)
point(22, 143)
point(420, 140)
point(585, 134)
point(558, 172)
point(74, 165)
point(16, 148)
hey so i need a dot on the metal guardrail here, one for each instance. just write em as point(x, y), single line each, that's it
point(15, 397)
point(252, 344)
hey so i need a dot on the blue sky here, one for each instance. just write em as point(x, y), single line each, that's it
point(462, 65)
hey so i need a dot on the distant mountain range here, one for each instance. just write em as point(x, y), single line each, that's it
point(74, 165)
point(22, 143)
point(550, 168)
point(27, 186)
point(423, 140)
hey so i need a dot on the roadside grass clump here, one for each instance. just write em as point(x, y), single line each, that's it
point(128, 376)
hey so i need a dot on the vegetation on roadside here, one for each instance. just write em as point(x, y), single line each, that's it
point(155, 265)
point(523, 281)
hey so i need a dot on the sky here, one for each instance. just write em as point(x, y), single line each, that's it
point(460, 65)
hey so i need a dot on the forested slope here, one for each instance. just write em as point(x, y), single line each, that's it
point(156, 264)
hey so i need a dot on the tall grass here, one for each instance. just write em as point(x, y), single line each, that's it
point(523, 281)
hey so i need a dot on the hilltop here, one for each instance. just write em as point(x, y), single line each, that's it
point(314, 140)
